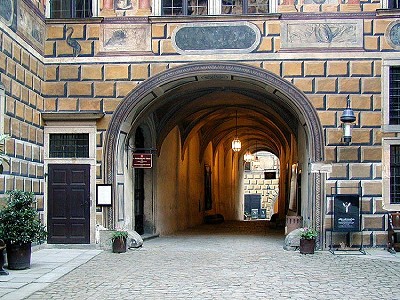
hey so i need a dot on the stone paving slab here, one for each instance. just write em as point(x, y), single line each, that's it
point(47, 265)
point(228, 262)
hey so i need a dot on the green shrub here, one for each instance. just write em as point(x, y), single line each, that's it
point(19, 221)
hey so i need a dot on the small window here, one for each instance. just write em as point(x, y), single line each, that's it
point(189, 7)
point(394, 95)
point(235, 7)
point(69, 145)
point(395, 174)
point(70, 9)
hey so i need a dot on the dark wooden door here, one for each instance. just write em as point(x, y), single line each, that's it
point(68, 218)
point(252, 201)
point(139, 201)
point(139, 187)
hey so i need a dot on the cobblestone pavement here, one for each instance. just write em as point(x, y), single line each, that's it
point(228, 262)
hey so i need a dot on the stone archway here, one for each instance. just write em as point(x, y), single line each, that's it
point(148, 92)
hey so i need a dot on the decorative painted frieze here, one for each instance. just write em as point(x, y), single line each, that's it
point(30, 25)
point(212, 38)
point(322, 34)
point(22, 18)
point(393, 35)
point(125, 38)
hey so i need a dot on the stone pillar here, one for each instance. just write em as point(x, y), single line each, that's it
point(287, 6)
point(108, 4)
point(144, 8)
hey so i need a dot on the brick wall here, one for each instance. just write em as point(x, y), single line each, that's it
point(22, 74)
point(94, 81)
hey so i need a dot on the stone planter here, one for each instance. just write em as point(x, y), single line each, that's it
point(307, 246)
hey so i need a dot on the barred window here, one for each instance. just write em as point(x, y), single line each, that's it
point(188, 7)
point(394, 4)
point(236, 7)
point(394, 95)
point(74, 145)
point(70, 9)
point(395, 174)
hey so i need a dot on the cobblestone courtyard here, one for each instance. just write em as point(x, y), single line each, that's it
point(225, 262)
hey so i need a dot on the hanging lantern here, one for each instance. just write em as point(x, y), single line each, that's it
point(256, 163)
point(236, 145)
point(248, 157)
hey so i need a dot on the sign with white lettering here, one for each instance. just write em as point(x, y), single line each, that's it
point(346, 211)
point(142, 160)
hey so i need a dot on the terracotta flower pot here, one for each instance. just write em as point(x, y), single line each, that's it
point(307, 246)
point(119, 245)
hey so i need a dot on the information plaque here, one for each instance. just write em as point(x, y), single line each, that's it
point(142, 160)
point(346, 212)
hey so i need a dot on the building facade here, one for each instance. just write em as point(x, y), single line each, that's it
point(86, 84)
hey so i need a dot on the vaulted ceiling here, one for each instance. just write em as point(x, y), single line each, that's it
point(209, 108)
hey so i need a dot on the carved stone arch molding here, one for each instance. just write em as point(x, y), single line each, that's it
point(146, 93)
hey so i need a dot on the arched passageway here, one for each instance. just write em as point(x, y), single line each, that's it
point(189, 116)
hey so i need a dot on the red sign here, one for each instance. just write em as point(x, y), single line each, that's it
point(142, 160)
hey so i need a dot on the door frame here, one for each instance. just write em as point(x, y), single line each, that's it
point(77, 126)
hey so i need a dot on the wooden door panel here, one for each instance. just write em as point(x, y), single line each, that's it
point(77, 230)
point(59, 204)
point(78, 199)
point(77, 177)
point(60, 177)
point(68, 204)
point(59, 230)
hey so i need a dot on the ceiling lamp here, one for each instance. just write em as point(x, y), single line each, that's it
point(236, 144)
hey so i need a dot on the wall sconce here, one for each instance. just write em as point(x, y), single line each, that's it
point(236, 144)
point(347, 120)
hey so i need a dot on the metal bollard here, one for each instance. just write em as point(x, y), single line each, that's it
point(2, 247)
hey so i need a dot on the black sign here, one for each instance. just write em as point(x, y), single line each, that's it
point(270, 175)
point(346, 213)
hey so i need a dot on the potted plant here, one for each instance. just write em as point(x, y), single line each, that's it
point(19, 228)
point(118, 239)
point(307, 240)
